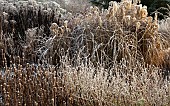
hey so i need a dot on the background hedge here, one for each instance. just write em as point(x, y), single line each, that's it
point(152, 5)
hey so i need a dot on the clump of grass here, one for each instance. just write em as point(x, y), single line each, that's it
point(83, 85)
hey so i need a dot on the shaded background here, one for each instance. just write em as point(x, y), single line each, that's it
point(152, 5)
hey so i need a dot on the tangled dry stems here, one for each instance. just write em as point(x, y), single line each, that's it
point(116, 56)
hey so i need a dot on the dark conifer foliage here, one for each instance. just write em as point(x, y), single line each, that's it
point(102, 3)
point(152, 5)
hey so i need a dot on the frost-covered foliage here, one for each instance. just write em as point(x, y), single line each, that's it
point(113, 56)
point(164, 28)
point(25, 26)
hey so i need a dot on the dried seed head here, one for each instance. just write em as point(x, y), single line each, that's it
point(54, 26)
point(112, 3)
point(90, 15)
point(133, 19)
point(91, 8)
point(5, 15)
point(138, 25)
point(6, 23)
point(138, 8)
point(144, 7)
point(69, 14)
point(127, 19)
point(149, 19)
point(12, 8)
point(105, 11)
point(53, 101)
point(7, 104)
point(115, 6)
point(95, 8)
point(32, 2)
point(143, 13)
point(128, 5)
point(135, 1)
point(13, 22)
point(60, 31)
point(96, 13)
point(30, 7)
point(45, 12)
point(65, 23)
point(36, 104)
